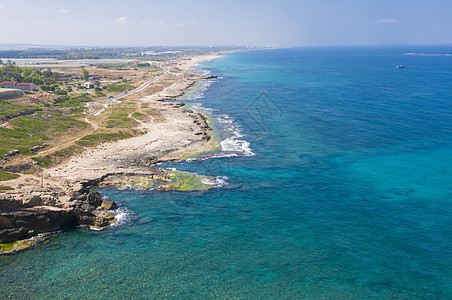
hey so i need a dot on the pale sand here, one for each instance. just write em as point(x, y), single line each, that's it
point(198, 59)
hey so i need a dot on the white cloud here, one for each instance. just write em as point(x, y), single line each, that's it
point(162, 23)
point(145, 23)
point(63, 11)
point(180, 25)
point(385, 21)
point(121, 20)
point(1, 6)
point(191, 21)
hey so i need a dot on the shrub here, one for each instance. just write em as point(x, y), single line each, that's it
point(7, 176)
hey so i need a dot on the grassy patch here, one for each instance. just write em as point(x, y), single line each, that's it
point(73, 101)
point(45, 162)
point(121, 121)
point(99, 138)
point(5, 188)
point(66, 152)
point(7, 176)
point(7, 109)
point(119, 88)
point(34, 130)
point(100, 94)
point(139, 116)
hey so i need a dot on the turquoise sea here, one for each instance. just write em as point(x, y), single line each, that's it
point(338, 178)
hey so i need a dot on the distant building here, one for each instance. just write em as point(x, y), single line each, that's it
point(9, 84)
point(19, 85)
point(88, 85)
point(26, 86)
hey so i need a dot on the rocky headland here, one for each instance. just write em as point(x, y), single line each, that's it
point(61, 198)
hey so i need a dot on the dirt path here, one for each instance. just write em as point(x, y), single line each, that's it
point(79, 135)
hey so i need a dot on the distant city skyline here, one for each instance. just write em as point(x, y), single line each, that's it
point(202, 22)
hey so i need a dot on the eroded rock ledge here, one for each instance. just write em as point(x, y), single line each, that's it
point(26, 215)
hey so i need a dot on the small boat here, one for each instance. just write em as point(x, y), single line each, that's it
point(400, 67)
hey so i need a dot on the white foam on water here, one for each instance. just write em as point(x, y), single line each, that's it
point(96, 229)
point(233, 144)
point(217, 182)
point(121, 216)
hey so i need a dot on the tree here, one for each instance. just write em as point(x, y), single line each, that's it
point(26, 71)
point(11, 72)
point(85, 74)
point(60, 92)
point(1, 62)
point(47, 73)
point(45, 87)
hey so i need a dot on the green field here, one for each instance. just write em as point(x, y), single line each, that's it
point(36, 129)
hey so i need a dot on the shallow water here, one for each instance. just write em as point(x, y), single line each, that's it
point(347, 195)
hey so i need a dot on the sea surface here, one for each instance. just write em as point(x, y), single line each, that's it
point(337, 172)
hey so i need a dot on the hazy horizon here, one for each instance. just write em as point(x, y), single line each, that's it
point(252, 23)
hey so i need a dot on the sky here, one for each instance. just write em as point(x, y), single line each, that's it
point(232, 22)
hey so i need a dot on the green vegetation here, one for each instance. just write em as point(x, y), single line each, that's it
point(5, 188)
point(119, 88)
point(179, 181)
point(7, 109)
point(166, 52)
point(121, 120)
point(184, 182)
point(73, 101)
point(44, 162)
point(64, 153)
point(58, 156)
point(20, 245)
point(34, 130)
point(100, 95)
point(7, 176)
point(85, 74)
point(95, 139)
point(7, 248)
point(47, 79)
point(139, 116)
point(60, 92)
point(11, 73)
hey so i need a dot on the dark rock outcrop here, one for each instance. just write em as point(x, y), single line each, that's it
point(40, 212)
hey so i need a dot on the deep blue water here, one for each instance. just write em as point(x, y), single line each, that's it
point(348, 194)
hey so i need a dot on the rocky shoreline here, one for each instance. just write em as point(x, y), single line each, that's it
point(65, 200)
